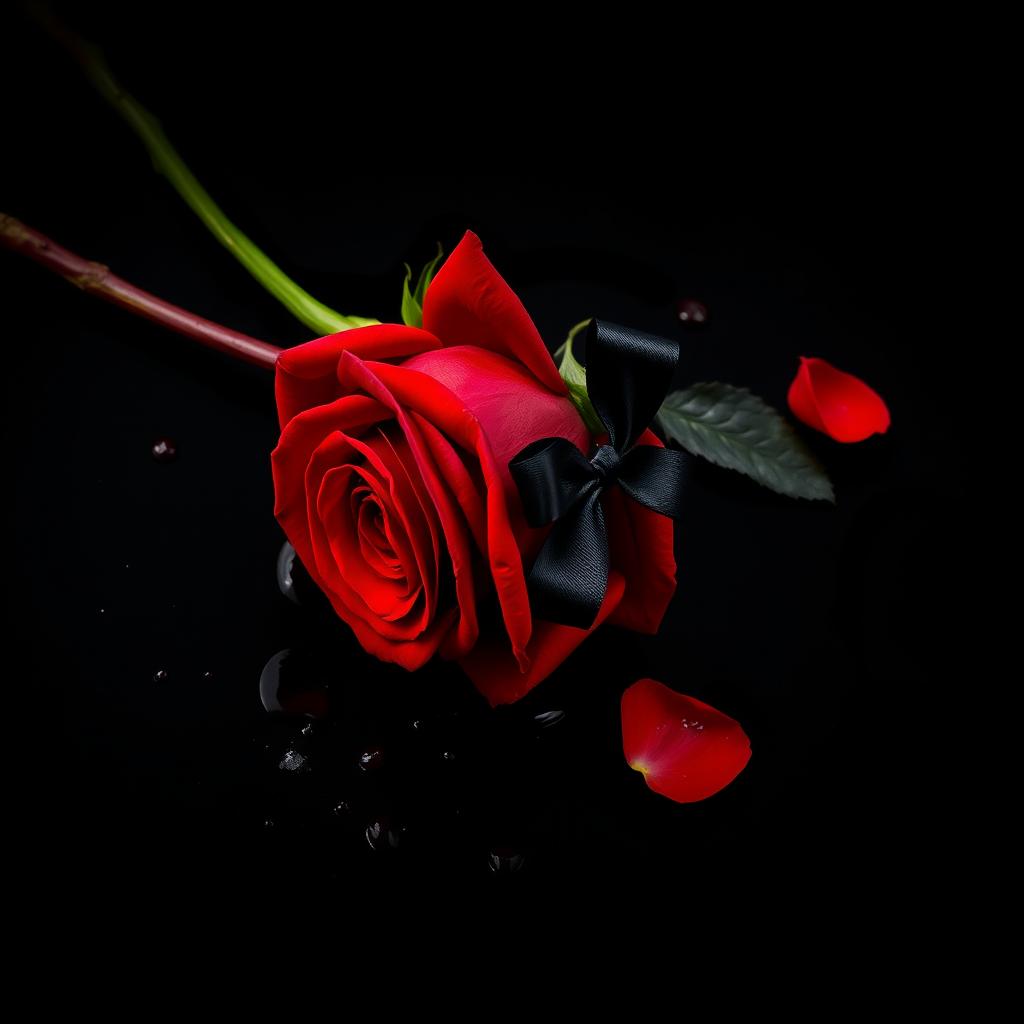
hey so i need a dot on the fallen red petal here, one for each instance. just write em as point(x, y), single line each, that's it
point(684, 748)
point(836, 403)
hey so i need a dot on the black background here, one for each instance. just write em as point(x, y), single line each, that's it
point(828, 632)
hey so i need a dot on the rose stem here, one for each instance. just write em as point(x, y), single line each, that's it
point(166, 160)
point(97, 279)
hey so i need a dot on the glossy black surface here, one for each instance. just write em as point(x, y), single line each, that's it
point(220, 726)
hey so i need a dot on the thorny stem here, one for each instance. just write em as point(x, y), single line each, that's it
point(97, 279)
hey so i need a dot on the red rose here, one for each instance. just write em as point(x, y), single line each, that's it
point(391, 481)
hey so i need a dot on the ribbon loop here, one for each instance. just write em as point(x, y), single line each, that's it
point(628, 375)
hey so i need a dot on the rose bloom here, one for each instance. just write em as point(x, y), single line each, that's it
point(391, 481)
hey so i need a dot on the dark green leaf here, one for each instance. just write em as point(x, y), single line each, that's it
point(412, 301)
point(735, 429)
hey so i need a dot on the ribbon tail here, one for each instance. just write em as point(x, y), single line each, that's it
point(570, 575)
point(656, 477)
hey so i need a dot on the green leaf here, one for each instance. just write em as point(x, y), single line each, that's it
point(575, 376)
point(735, 429)
point(412, 301)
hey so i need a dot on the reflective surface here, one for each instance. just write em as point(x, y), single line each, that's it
point(219, 725)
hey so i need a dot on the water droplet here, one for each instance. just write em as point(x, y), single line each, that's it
point(285, 581)
point(382, 836)
point(161, 676)
point(207, 676)
point(546, 719)
point(447, 755)
point(341, 809)
point(269, 823)
point(371, 760)
point(690, 311)
point(284, 687)
point(416, 723)
point(164, 450)
point(293, 761)
point(505, 861)
point(307, 729)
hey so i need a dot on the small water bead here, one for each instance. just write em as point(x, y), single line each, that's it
point(370, 760)
point(161, 676)
point(283, 687)
point(504, 861)
point(691, 311)
point(285, 577)
point(380, 835)
point(207, 676)
point(164, 450)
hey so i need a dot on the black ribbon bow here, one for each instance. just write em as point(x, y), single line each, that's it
point(628, 375)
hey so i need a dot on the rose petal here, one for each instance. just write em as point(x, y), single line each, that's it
point(306, 375)
point(348, 602)
point(386, 596)
point(836, 403)
point(495, 673)
point(685, 749)
point(411, 391)
point(513, 409)
point(289, 460)
point(367, 377)
point(640, 545)
point(469, 303)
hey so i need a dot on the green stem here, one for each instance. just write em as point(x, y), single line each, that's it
point(312, 313)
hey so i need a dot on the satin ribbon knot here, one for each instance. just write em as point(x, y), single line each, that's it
point(628, 375)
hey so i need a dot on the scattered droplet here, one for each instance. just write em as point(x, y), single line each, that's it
point(370, 760)
point(546, 719)
point(307, 729)
point(447, 755)
point(164, 450)
point(161, 676)
point(690, 311)
point(269, 823)
point(416, 724)
point(382, 836)
point(103, 611)
point(207, 676)
point(285, 581)
point(293, 761)
point(283, 688)
point(341, 809)
point(505, 861)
